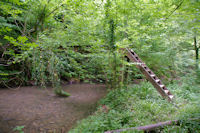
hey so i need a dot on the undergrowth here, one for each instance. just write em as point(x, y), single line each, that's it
point(139, 105)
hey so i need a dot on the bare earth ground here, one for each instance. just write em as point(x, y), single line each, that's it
point(40, 111)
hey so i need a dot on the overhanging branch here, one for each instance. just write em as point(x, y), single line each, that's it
point(179, 5)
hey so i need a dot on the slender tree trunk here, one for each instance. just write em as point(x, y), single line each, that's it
point(196, 48)
point(111, 44)
point(125, 35)
point(112, 48)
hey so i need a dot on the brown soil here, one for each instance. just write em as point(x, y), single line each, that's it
point(40, 111)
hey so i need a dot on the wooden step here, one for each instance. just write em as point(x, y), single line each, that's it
point(166, 91)
point(171, 97)
point(161, 86)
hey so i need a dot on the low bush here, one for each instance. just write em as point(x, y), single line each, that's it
point(140, 105)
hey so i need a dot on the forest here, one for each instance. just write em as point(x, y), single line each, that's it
point(53, 53)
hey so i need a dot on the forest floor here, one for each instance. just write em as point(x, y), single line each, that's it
point(40, 111)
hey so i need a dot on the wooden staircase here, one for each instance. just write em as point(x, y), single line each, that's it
point(161, 88)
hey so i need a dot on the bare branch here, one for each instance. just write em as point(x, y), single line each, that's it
point(151, 127)
point(18, 26)
point(23, 32)
point(179, 5)
point(54, 10)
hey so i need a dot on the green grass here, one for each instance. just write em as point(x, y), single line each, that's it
point(140, 105)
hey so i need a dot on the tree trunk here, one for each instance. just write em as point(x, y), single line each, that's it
point(196, 48)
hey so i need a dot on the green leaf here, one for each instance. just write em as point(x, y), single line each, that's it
point(61, 93)
point(22, 39)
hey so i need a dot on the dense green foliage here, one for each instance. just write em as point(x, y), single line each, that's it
point(45, 42)
point(140, 105)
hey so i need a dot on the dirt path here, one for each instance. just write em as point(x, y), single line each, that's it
point(42, 112)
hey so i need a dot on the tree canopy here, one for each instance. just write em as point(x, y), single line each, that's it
point(49, 40)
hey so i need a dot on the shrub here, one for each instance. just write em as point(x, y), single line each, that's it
point(140, 105)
